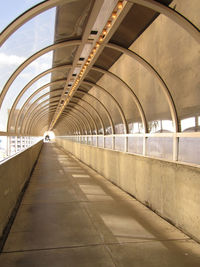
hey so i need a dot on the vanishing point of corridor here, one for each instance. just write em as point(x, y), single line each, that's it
point(72, 216)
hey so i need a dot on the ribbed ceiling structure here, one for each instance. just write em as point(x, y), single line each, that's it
point(88, 67)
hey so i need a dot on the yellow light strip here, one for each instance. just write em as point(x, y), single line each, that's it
point(102, 36)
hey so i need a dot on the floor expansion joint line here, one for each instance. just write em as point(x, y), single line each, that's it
point(71, 219)
point(95, 245)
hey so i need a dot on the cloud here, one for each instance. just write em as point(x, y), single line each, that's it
point(10, 59)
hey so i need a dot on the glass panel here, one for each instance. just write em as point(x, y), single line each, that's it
point(108, 142)
point(3, 147)
point(189, 150)
point(144, 85)
point(123, 96)
point(188, 9)
point(44, 91)
point(188, 124)
point(10, 145)
point(98, 107)
point(135, 145)
point(159, 126)
point(100, 141)
point(42, 99)
point(89, 140)
point(41, 64)
point(11, 9)
point(120, 143)
point(135, 127)
point(88, 108)
point(108, 103)
point(119, 129)
point(15, 51)
point(42, 81)
point(178, 67)
point(94, 140)
point(161, 147)
point(108, 130)
point(84, 140)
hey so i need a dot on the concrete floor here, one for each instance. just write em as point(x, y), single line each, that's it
point(71, 216)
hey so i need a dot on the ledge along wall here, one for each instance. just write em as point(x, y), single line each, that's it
point(171, 189)
point(14, 173)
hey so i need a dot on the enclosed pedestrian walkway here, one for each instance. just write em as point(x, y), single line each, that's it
point(106, 94)
point(72, 216)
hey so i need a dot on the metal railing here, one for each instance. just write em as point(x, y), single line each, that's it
point(184, 147)
point(10, 145)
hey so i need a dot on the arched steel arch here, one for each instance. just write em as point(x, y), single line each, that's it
point(36, 116)
point(73, 114)
point(77, 116)
point(156, 75)
point(31, 59)
point(114, 100)
point(42, 106)
point(149, 3)
point(106, 110)
point(78, 105)
point(152, 4)
point(74, 120)
point(50, 93)
point(29, 85)
point(40, 89)
point(71, 119)
point(26, 16)
point(133, 95)
point(172, 15)
point(35, 93)
point(73, 130)
point(85, 110)
point(42, 124)
point(48, 108)
point(28, 116)
point(96, 112)
point(67, 119)
point(34, 103)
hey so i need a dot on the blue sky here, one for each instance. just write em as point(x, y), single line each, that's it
point(26, 41)
point(10, 9)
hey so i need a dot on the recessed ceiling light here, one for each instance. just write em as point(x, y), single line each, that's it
point(94, 32)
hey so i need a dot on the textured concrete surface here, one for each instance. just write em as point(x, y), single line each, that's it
point(169, 188)
point(72, 216)
point(14, 172)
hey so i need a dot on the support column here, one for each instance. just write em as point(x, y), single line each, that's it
point(144, 151)
point(113, 142)
point(126, 144)
point(175, 147)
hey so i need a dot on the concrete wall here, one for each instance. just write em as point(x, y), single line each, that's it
point(14, 172)
point(170, 189)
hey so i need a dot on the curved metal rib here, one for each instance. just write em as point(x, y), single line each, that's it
point(151, 69)
point(106, 110)
point(171, 14)
point(115, 101)
point(35, 79)
point(133, 95)
point(31, 59)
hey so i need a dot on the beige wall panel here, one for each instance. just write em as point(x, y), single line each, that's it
point(14, 173)
point(170, 189)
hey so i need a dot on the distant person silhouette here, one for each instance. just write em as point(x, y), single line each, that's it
point(47, 138)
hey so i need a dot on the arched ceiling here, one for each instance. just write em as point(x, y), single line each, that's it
point(108, 67)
